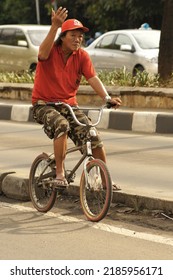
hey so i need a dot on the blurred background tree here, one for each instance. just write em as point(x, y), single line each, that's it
point(19, 12)
point(166, 43)
point(145, 11)
point(99, 15)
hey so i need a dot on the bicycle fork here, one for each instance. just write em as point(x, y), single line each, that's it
point(93, 180)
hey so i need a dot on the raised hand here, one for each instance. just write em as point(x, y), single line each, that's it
point(59, 16)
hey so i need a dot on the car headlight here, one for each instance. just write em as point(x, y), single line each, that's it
point(152, 59)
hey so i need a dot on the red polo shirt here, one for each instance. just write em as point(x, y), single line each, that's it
point(57, 81)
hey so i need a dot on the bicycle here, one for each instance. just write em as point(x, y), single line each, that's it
point(95, 182)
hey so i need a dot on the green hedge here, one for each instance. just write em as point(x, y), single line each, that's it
point(114, 78)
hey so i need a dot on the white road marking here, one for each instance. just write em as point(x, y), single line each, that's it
point(99, 226)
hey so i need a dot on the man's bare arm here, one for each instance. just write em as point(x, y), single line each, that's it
point(57, 18)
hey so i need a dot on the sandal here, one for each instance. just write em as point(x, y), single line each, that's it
point(60, 182)
point(115, 188)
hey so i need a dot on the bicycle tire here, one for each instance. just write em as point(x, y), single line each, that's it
point(96, 193)
point(42, 193)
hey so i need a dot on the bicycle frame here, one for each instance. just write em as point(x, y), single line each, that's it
point(86, 156)
point(87, 150)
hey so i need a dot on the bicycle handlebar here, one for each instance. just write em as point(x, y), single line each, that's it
point(107, 105)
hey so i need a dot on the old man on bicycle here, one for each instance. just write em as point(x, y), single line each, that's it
point(61, 64)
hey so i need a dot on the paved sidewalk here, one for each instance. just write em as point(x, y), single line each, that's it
point(147, 121)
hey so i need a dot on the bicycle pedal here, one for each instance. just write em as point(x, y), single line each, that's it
point(70, 178)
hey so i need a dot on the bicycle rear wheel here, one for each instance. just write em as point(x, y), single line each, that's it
point(41, 190)
point(96, 190)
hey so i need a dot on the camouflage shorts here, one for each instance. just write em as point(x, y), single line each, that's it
point(57, 121)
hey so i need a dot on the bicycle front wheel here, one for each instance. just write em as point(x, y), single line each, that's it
point(41, 191)
point(95, 190)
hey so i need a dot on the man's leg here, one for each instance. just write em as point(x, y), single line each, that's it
point(99, 153)
point(60, 146)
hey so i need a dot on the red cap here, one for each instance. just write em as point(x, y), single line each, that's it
point(71, 24)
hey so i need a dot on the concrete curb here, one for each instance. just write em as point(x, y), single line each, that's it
point(136, 121)
point(17, 188)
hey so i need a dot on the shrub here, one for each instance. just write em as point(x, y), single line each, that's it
point(114, 78)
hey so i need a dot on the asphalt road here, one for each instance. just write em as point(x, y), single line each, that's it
point(64, 233)
point(139, 162)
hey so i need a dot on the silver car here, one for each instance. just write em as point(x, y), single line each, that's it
point(19, 46)
point(134, 49)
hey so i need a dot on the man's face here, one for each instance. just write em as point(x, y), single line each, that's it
point(72, 40)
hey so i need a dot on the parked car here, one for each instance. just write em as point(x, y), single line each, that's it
point(19, 46)
point(136, 49)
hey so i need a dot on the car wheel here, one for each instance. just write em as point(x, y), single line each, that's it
point(32, 67)
point(138, 68)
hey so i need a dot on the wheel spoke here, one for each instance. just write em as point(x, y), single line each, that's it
point(41, 190)
point(96, 190)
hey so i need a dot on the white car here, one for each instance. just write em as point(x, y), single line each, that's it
point(134, 49)
point(19, 46)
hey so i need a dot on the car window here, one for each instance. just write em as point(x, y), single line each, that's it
point(37, 36)
point(106, 42)
point(148, 40)
point(20, 35)
point(10, 36)
point(7, 37)
point(122, 40)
